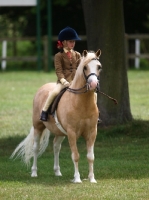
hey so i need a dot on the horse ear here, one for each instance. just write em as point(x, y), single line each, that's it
point(98, 53)
point(84, 53)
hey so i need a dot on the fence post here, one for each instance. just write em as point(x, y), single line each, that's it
point(4, 54)
point(137, 52)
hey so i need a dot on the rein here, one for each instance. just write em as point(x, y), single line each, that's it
point(114, 100)
point(86, 88)
point(81, 90)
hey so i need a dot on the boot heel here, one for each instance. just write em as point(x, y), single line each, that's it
point(44, 116)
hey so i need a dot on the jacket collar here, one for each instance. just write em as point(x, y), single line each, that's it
point(66, 50)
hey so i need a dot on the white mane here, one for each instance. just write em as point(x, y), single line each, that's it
point(83, 62)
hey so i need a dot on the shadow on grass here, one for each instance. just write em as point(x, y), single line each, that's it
point(136, 128)
point(121, 152)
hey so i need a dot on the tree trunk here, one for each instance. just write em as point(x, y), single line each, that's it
point(105, 30)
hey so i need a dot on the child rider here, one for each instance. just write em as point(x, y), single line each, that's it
point(66, 62)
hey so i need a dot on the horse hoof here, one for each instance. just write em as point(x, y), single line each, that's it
point(76, 180)
point(93, 180)
point(58, 173)
point(34, 174)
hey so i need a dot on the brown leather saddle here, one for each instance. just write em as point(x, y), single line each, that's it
point(55, 102)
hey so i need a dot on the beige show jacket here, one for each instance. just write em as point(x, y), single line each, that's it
point(64, 68)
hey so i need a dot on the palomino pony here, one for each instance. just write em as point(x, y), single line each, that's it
point(77, 115)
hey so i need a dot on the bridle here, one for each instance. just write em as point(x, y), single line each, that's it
point(91, 74)
point(85, 88)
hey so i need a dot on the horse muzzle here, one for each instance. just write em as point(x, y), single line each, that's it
point(93, 82)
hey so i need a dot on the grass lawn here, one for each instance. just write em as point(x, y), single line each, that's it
point(139, 95)
point(121, 152)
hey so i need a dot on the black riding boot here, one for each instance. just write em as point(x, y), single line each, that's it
point(44, 116)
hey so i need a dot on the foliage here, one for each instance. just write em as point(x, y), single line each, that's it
point(136, 14)
point(27, 48)
point(18, 49)
point(21, 21)
point(144, 64)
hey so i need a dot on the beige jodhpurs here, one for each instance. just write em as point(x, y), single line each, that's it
point(52, 95)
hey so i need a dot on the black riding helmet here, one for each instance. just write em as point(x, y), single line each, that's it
point(68, 34)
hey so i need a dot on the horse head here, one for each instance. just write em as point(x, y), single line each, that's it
point(92, 68)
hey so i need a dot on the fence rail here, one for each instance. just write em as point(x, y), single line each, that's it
point(20, 58)
point(135, 55)
point(4, 58)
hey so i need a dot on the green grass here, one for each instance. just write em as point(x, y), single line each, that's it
point(17, 90)
point(139, 95)
point(121, 152)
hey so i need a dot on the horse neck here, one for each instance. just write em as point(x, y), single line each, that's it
point(78, 82)
point(79, 79)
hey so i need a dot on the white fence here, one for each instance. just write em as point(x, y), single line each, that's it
point(136, 55)
point(138, 38)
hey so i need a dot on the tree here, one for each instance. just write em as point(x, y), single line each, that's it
point(104, 22)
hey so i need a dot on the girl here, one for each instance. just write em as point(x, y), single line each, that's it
point(66, 63)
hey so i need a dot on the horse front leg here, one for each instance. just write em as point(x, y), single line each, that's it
point(57, 147)
point(90, 157)
point(75, 157)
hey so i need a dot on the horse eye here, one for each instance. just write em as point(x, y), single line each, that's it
point(85, 68)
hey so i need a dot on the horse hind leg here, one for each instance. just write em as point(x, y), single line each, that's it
point(35, 153)
point(41, 139)
point(57, 147)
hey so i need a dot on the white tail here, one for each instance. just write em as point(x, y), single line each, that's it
point(25, 149)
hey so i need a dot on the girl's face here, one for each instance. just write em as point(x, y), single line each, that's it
point(69, 44)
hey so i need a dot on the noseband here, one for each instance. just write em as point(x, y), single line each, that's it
point(92, 74)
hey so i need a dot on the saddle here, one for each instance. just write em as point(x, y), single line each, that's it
point(53, 106)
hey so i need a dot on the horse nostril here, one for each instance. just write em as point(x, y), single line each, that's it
point(89, 81)
point(98, 86)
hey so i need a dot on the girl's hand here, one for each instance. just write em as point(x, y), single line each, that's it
point(64, 82)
